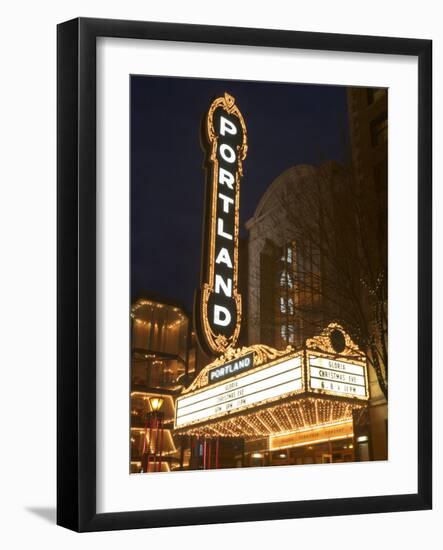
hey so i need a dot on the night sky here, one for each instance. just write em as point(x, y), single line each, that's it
point(287, 124)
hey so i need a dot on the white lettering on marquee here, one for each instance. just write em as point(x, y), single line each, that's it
point(247, 390)
point(338, 377)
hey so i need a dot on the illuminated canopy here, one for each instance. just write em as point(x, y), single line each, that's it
point(282, 391)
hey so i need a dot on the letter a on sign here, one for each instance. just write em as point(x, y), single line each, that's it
point(218, 301)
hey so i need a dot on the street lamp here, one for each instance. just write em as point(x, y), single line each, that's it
point(154, 434)
point(156, 403)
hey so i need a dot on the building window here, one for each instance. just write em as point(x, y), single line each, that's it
point(283, 332)
point(282, 305)
point(287, 334)
point(298, 283)
point(289, 254)
point(285, 309)
point(285, 280)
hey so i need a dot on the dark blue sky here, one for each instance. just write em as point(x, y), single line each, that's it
point(287, 124)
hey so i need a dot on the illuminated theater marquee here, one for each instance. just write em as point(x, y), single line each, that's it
point(258, 390)
point(269, 384)
point(219, 302)
point(337, 377)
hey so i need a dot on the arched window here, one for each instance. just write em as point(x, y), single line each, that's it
point(287, 333)
point(283, 332)
point(289, 254)
point(285, 279)
point(282, 305)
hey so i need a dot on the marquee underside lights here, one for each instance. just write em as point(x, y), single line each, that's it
point(218, 302)
point(300, 413)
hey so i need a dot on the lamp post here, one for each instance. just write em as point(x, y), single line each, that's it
point(156, 403)
point(154, 434)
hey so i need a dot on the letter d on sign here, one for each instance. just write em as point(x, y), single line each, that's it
point(218, 319)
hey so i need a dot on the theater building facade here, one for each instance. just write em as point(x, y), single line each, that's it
point(296, 389)
point(290, 295)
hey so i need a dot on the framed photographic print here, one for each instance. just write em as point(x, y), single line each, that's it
point(244, 274)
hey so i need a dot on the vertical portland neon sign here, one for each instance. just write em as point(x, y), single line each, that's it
point(219, 303)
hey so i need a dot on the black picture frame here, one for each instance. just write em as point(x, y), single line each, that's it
point(76, 264)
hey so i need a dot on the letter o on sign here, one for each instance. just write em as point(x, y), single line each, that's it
point(227, 153)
